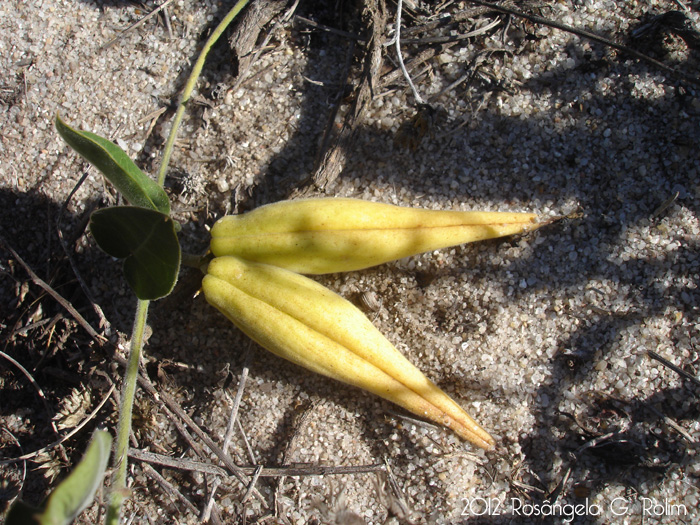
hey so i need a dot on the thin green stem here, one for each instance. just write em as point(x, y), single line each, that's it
point(126, 408)
point(119, 492)
point(190, 85)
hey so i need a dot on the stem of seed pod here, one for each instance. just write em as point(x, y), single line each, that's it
point(195, 261)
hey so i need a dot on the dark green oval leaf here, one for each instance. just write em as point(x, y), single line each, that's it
point(137, 187)
point(146, 239)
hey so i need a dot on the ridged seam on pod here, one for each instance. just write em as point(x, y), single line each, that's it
point(308, 324)
point(325, 235)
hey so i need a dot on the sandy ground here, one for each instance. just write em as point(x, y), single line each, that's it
point(544, 339)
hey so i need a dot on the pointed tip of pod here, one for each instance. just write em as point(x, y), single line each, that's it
point(471, 431)
point(486, 441)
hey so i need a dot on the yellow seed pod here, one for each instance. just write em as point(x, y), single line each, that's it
point(308, 324)
point(325, 235)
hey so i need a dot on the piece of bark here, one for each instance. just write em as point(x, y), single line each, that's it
point(244, 36)
point(333, 159)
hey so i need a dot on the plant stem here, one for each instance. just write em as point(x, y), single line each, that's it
point(126, 407)
point(191, 83)
point(195, 261)
point(118, 489)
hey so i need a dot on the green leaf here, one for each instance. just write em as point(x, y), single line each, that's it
point(74, 493)
point(77, 491)
point(146, 239)
point(137, 187)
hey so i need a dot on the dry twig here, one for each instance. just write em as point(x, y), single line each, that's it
point(328, 29)
point(104, 323)
point(36, 386)
point(53, 293)
point(456, 38)
point(168, 487)
point(136, 24)
point(265, 472)
point(177, 410)
point(63, 439)
point(673, 367)
point(397, 41)
point(233, 418)
point(675, 426)
point(590, 36)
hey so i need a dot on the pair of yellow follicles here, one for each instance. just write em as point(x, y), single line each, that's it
point(255, 281)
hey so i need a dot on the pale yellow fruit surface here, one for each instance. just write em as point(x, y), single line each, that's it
point(308, 324)
point(316, 236)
